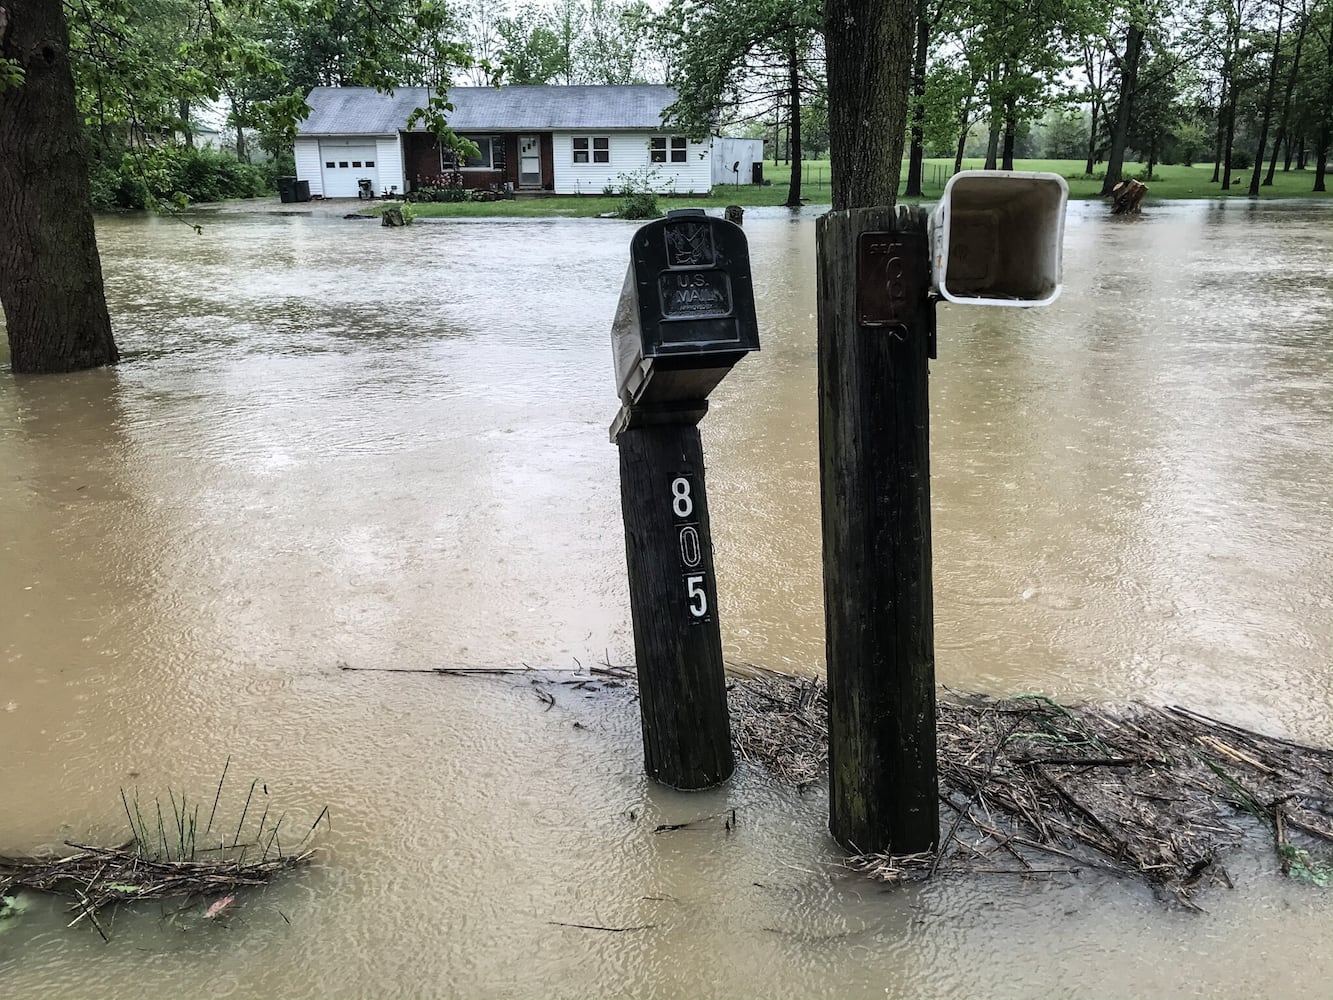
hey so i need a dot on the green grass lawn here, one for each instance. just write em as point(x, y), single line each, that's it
point(1167, 183)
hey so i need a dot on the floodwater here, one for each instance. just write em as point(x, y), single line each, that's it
point(332, 443)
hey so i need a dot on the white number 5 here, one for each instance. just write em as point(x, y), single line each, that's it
point(694, 586)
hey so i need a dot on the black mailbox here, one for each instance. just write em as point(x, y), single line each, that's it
point(686, 312)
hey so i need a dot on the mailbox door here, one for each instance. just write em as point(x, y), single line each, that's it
point(694, 288)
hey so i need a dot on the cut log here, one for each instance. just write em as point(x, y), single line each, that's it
point(1127, 198)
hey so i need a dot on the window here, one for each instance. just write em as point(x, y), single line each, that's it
point(490, 154)
point(370, 163)
point(659, 145)
point(329, 164)
point(342, 163)
point(592, 149)
point(356, 163)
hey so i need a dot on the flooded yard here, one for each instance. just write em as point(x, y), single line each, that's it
point(335, 444)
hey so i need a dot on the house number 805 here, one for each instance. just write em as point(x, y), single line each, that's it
point(691, 549)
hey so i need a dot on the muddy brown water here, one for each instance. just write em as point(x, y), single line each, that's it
point(332, 443)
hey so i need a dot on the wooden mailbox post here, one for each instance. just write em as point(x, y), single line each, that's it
point(994, 239)
point(686, 316)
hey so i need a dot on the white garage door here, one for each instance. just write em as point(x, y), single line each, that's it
point(344, 165)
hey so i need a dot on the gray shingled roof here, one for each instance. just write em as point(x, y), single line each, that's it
point(363, 111)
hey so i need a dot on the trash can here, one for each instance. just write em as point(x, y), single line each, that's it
point(302, 190)
point(287, 189)
point(756, 173)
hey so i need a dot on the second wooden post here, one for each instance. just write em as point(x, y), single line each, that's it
point(875, 325)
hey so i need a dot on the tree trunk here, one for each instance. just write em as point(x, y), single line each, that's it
point(916, 155)
point(1010, 130)
point(1301, 151)
point(1282, 137)
point(1223, 95)
point(242, 154)
point(1321, 138)
point(1267, 113)
point(993, 144)
point(1129, 75)
point(993, 120)
point(1095, 82)
point(50, 272)
point(794, 129)
point(183, 112)
point(1231, 115)
point(962, 136)
point(868, 48)
point(1287, 155)
point(1092, 141)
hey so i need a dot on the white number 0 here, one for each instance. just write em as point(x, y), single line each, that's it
point(694, 586)
point(680, 497)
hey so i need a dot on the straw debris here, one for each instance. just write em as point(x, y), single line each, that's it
point(1034, 788)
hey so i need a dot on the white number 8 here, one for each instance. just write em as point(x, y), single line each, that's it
point(681, 503)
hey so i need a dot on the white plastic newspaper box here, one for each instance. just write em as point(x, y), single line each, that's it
point(996, 238)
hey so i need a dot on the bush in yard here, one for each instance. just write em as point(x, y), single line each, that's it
point(639, 205)
point(172, 175)
point(638, 195)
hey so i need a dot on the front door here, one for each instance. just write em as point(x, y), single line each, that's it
point(529, 161)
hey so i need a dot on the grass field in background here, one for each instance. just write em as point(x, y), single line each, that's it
point(1168, 183)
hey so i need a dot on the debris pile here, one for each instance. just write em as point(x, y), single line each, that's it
point(1030, 787)
point(173, 858)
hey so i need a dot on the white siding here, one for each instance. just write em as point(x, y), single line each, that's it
point(308, 165)
point(629, 154)
point(390, 156)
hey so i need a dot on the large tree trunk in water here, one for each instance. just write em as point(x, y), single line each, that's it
point(1267, 114)
point(916, 155)
point(794, 129)
point(1282, 136)
point(868, 52)
point(50, 273)
point(1129, 77)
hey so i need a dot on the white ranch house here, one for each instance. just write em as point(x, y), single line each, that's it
point(556, 140)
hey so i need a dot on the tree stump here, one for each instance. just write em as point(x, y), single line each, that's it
point(392, 216)
point(736, 214)
point(1127, 198)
